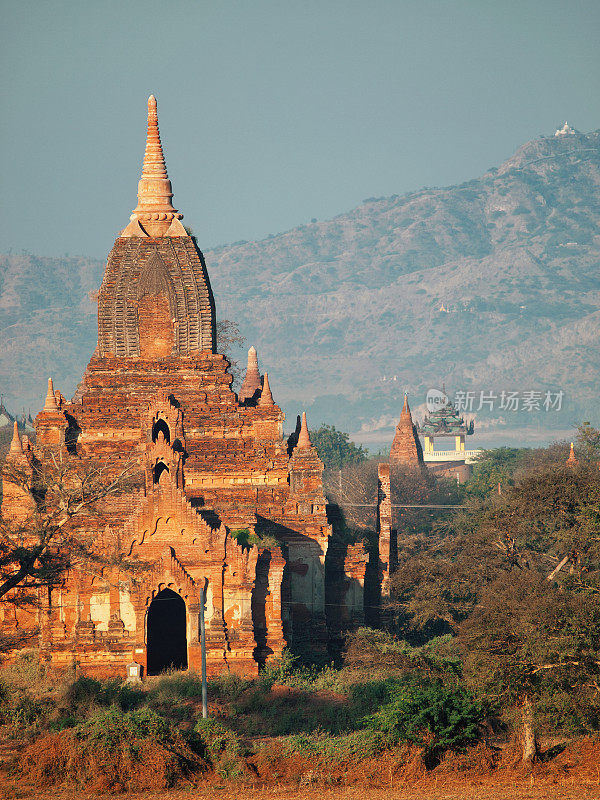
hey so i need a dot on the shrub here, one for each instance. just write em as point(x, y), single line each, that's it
point(436, 716)
point(111, 726)
point(280, 670)
point(21, 711)
point(85, 695)
point(369, 647)
point(336, 749)
point(290, 671)
point(365, 697)
point(244, 538)
point(83, 692)
point(113, 750)
point(227, 686)
point(221, 747)
point(26, 671)
point(178, 685)
point(285, 710)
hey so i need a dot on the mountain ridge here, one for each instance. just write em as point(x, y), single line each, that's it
point(491, 284)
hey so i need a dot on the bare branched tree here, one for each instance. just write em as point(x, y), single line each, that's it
point(56, 489)
point(229, 338)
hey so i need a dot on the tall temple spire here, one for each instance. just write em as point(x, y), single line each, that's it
point(572, 459)
point(251, 382)
point(154, 211)
point(406, 448)
point(304, 438)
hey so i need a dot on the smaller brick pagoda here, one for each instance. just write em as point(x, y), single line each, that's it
point(406, 447)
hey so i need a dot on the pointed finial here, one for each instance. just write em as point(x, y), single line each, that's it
point(15, 445)
point(572, 459)
point(154, 210)
point(50, 404)
point(304, 438)
point(266, 398)
point(154, 160)
point(405, 415)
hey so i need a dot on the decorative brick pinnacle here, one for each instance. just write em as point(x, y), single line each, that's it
point(50, 404)
point(266, 398)
point(304, 438)
point(15, 445)
point(154, 210)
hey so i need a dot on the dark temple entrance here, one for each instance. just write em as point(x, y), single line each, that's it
point(166, 635)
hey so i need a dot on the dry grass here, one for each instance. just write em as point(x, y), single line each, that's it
point(58, 758)
point(479, 774)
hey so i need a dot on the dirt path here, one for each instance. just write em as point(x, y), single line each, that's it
point(467, 791)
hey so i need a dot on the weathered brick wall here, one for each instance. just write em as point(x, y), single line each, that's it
point(226, 467)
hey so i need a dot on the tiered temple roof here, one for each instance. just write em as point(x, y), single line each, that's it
point(447, 421)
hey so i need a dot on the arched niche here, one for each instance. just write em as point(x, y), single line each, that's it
point(160, 426)
point(160, 471)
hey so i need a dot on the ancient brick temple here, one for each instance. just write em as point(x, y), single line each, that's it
point(217, 504)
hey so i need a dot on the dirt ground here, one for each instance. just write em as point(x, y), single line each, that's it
point(472, 791)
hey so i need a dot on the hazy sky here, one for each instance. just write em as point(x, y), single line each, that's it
point(272, 113)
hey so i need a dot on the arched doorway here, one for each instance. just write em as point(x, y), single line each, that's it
point(166, 633)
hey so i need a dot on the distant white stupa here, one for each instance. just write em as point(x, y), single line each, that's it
point(566, 130)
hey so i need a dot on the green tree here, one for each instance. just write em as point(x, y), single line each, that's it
point(588, 443)
point(335, 448)
point(517, 577)
point(493, 468)
point(528, 641)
